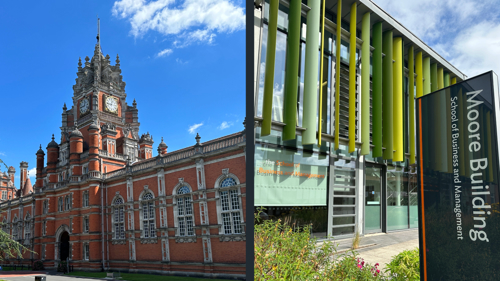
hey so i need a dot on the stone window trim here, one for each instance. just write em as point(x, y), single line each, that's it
point(67, 202)
point(45, 207)
point(229, 213)
point(147, 208)
point(44, 227)
point(14, 228)
point(118, 212)
point(27, 227)
point(180, 221)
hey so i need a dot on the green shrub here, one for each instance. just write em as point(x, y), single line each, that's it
point(405, 266)
point(38, 265)
point(282, 253)
point(62, 267)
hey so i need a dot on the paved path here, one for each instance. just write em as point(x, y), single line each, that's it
point(381, 247)
point(31, 277)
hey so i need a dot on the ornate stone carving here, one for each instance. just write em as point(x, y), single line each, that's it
point(230, 238)
point(119, 242)
point(149, 241)
point(185, 240)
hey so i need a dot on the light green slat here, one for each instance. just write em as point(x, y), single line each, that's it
point(411, 99)
point(337, 75)
point(434, 77)
point(446, 79)
point(397, 92)
point(427, 75)
point(377, 90)
point(387, 96)
point(292, 70)
point(267, 107)
point(311, 74)
point(365, 85)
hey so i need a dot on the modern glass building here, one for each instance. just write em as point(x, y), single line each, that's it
point(335, 115)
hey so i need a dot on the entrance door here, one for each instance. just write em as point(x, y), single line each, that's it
point(373, 198)
point(64, 246)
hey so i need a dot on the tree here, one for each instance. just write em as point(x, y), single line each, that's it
point(10, 248)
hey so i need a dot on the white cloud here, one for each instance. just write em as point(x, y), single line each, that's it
point(32, 174)
point(192, 129)
point(2, 153)
point(225, 125)
point(163, 53)
point(464, 32)
point(190, 21)
point(179, 61)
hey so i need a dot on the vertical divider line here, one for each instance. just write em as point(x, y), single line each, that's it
point(411, 99)
point(422, 189)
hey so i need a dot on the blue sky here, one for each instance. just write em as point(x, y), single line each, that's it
point(183, 62)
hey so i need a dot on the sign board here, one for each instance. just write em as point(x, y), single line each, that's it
point(286, 177)
point(458, 162)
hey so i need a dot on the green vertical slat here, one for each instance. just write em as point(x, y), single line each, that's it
point(387, 96)
point(427, 75)
point(434, 77)
point(365, 85)
point(311, 74)
point(377, 90)
point(411, 104)
point(292, 70)
point(267, 107)
point(446, 79)
point(337, 74)
point(397, 96)
point(419, 83)
point(440, 78)
point(352, 80)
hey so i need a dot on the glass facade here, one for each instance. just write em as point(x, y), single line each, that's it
point(341, 192)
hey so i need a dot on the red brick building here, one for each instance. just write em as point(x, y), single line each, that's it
point(102, 201)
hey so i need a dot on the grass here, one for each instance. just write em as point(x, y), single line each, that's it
point(139, 277)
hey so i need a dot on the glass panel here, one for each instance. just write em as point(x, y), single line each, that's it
point(343, 179)
point(413, 199)
point(236, 222)
point(343, 201)
point(182, 227)
point(343, 220)
point(235, 202)
point(342, 230)
point(226, 220)
point(397, 198)
point(344, 190)
point(373, 198)
point(224, 200)
point(337, 210)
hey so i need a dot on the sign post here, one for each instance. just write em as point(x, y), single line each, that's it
point(458, 168)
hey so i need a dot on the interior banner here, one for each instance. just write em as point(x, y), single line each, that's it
point(288, 178)
point(458, 173)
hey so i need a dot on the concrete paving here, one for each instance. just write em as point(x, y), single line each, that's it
point(381, 247)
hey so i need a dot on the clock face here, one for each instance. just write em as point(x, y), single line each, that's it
point(111, 104)
point(84, 105)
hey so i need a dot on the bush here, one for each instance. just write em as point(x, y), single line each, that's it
point(405, 266)
point(62, 267)
point(282, 253)
point(38, 265)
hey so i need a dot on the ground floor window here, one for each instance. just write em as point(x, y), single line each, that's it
point(86, 250)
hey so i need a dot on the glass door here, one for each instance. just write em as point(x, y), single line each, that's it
point(373, 198)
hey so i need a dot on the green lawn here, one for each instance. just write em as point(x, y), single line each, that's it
point(139, 277)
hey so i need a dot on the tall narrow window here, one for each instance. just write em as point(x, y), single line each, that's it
point(44, 225)
point(118, 219)
point(14, 229)
point(85, 224)
point(85, 202)
point(60, 203)
point(86, 249)
point(43, 252)
point(68, 202)
point(27, 227)
point(45, 206)
point(230, 207)
point(185, 219)
point(148, 216)
point(4, 195)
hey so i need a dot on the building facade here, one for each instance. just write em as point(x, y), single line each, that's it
point(335, 89)
point(103, 201)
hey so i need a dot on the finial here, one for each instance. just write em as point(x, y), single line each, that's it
point(76, 124)
point(134, 104)
point(40, 146)
point(117, 60)
point(197, 138)
point(107, 56)
point(87, 58)
point(64, 107)
point(161, 139)
point(53, 137)
point(98, 29)
point(79, 62)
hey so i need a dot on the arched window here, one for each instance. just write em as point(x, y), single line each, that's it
point(230, 215)
point(148, 215)
point(118, 219)
point(185, 219)
point(14, 228)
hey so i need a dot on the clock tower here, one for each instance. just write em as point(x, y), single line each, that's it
point(99, 101)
